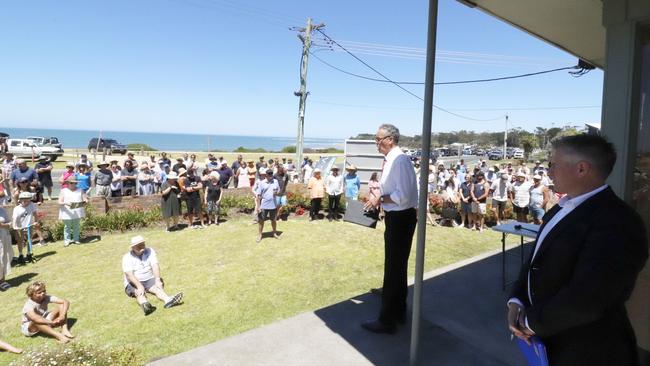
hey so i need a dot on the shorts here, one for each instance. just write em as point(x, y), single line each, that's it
point(520, 210)
point(213, 207)
point(466, 207)
point(24, 328)
point(500, 205)
point(280, 200)
point(193, 204)
point(478, 208)
point(536, 212)
point(267, 214)
point(130, 290)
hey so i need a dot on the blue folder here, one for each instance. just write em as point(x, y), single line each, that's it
point(535, 353)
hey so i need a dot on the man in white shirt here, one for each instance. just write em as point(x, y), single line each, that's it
point(334, 189)
point(142, 275)
point(398, 197)
point(499, 190)
point(590, 249)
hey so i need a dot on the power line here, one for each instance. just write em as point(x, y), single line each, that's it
point(401, 87)
point(458, 109)
point(448, 82)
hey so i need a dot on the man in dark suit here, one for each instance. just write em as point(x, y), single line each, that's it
point(588, 253)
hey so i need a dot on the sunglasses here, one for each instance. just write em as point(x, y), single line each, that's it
point(380, 139)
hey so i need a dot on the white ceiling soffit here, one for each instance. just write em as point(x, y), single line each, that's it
point(572, 25)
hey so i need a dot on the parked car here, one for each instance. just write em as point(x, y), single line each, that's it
point(24, 148)
point(518, 154)
point(495, 155)
point(44, 141)
point(109, 145)
point(479, 152)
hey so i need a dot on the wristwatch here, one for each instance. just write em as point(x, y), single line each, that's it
point(381, 199)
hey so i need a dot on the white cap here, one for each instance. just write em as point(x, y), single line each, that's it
point(214, 175)
point(537, 176)
point(521, 175)
point(316, 170)
point(136, 240)
point(25, 195)
point(262, 170)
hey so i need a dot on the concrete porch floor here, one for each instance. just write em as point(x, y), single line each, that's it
point(463, 323)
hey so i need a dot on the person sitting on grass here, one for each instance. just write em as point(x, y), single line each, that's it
point(265, 195)
point(142, 275)
point(38, 319)
point(9, 348)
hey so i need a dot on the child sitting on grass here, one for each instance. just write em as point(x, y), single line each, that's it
point(37, 318)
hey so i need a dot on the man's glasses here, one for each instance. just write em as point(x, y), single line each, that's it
point(380, 139)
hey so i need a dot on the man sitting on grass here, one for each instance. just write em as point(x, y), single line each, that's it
point(142, 275)
point(37, 318)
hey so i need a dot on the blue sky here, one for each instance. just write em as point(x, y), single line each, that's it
point(231, 67)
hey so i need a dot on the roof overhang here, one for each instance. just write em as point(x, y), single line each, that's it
point(575, 26)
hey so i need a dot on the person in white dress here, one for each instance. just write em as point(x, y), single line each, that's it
point(6, 251)
point(71, 211)
point(242, 177)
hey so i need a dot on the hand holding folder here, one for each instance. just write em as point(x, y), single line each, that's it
point(535, 353)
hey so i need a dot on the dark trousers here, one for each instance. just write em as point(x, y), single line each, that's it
point(400, 227)
point(333, 204)
point(315, 207)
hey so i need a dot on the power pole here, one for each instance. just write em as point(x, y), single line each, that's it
point(305, 37)
point(505, 140)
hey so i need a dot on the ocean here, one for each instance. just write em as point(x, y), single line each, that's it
point(173, 142)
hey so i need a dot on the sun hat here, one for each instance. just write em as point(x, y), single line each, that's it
point(138, 239)
point(25, 196)
point(521, 175)
point(172, 175)
point(250, 161)
point(334, 168)
point(43, 158)
point(351, 167)
point(181, 171)
point(215, 175)
point(103, 162)
point(316, 170)
point(537, 162)
point(224, 162)
point(262, 170)
point(537, 176)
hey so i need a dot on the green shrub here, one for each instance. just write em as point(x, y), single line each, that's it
point(241, 203)
point(140, 146)
point(78, 354)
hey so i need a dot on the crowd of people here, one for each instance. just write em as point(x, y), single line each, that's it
point(471, 190)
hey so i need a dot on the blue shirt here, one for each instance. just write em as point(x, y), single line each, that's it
point(29, 173)
point(352, 185)
point(266, 190)
point(83, 181)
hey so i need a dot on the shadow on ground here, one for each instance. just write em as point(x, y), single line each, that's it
point(463, 319)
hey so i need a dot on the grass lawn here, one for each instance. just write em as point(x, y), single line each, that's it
point(231, 284)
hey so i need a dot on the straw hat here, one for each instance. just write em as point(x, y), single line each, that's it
point(262, 171)
point(172, 175)
point(521, 175)
point(351, 167)
point(25, 196)
point(103, 163)
point(181, 171)
point(138, 239)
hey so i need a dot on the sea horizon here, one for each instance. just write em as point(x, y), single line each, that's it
point(78, 139)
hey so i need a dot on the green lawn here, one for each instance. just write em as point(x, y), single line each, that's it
point(231, 284)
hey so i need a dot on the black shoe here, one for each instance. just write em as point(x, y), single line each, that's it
point(376, 291)
point(376, 326)
point(175, 300)
point(147, 308)
point(29, 258)
point(14, 261)
point(21, 259)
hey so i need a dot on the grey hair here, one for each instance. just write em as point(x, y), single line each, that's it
point(596, 150)
point(391, 131)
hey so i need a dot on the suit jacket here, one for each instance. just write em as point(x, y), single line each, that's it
point(581, 277)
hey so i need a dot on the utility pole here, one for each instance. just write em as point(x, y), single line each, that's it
point(305, 37)
point(505, 140)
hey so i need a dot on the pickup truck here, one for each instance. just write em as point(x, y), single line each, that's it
point(23, 148)
point(45, 141)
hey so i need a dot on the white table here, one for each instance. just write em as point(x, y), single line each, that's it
point(524, 230)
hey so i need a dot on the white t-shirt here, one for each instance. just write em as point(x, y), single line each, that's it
point(71, 197)
point(23, 217)
point(500, 188)
point(40, 309)
point(522, 194)
point(142, 267)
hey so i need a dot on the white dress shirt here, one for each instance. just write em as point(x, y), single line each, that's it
point(334, 185)
point(398, 181)
point(567, 205)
